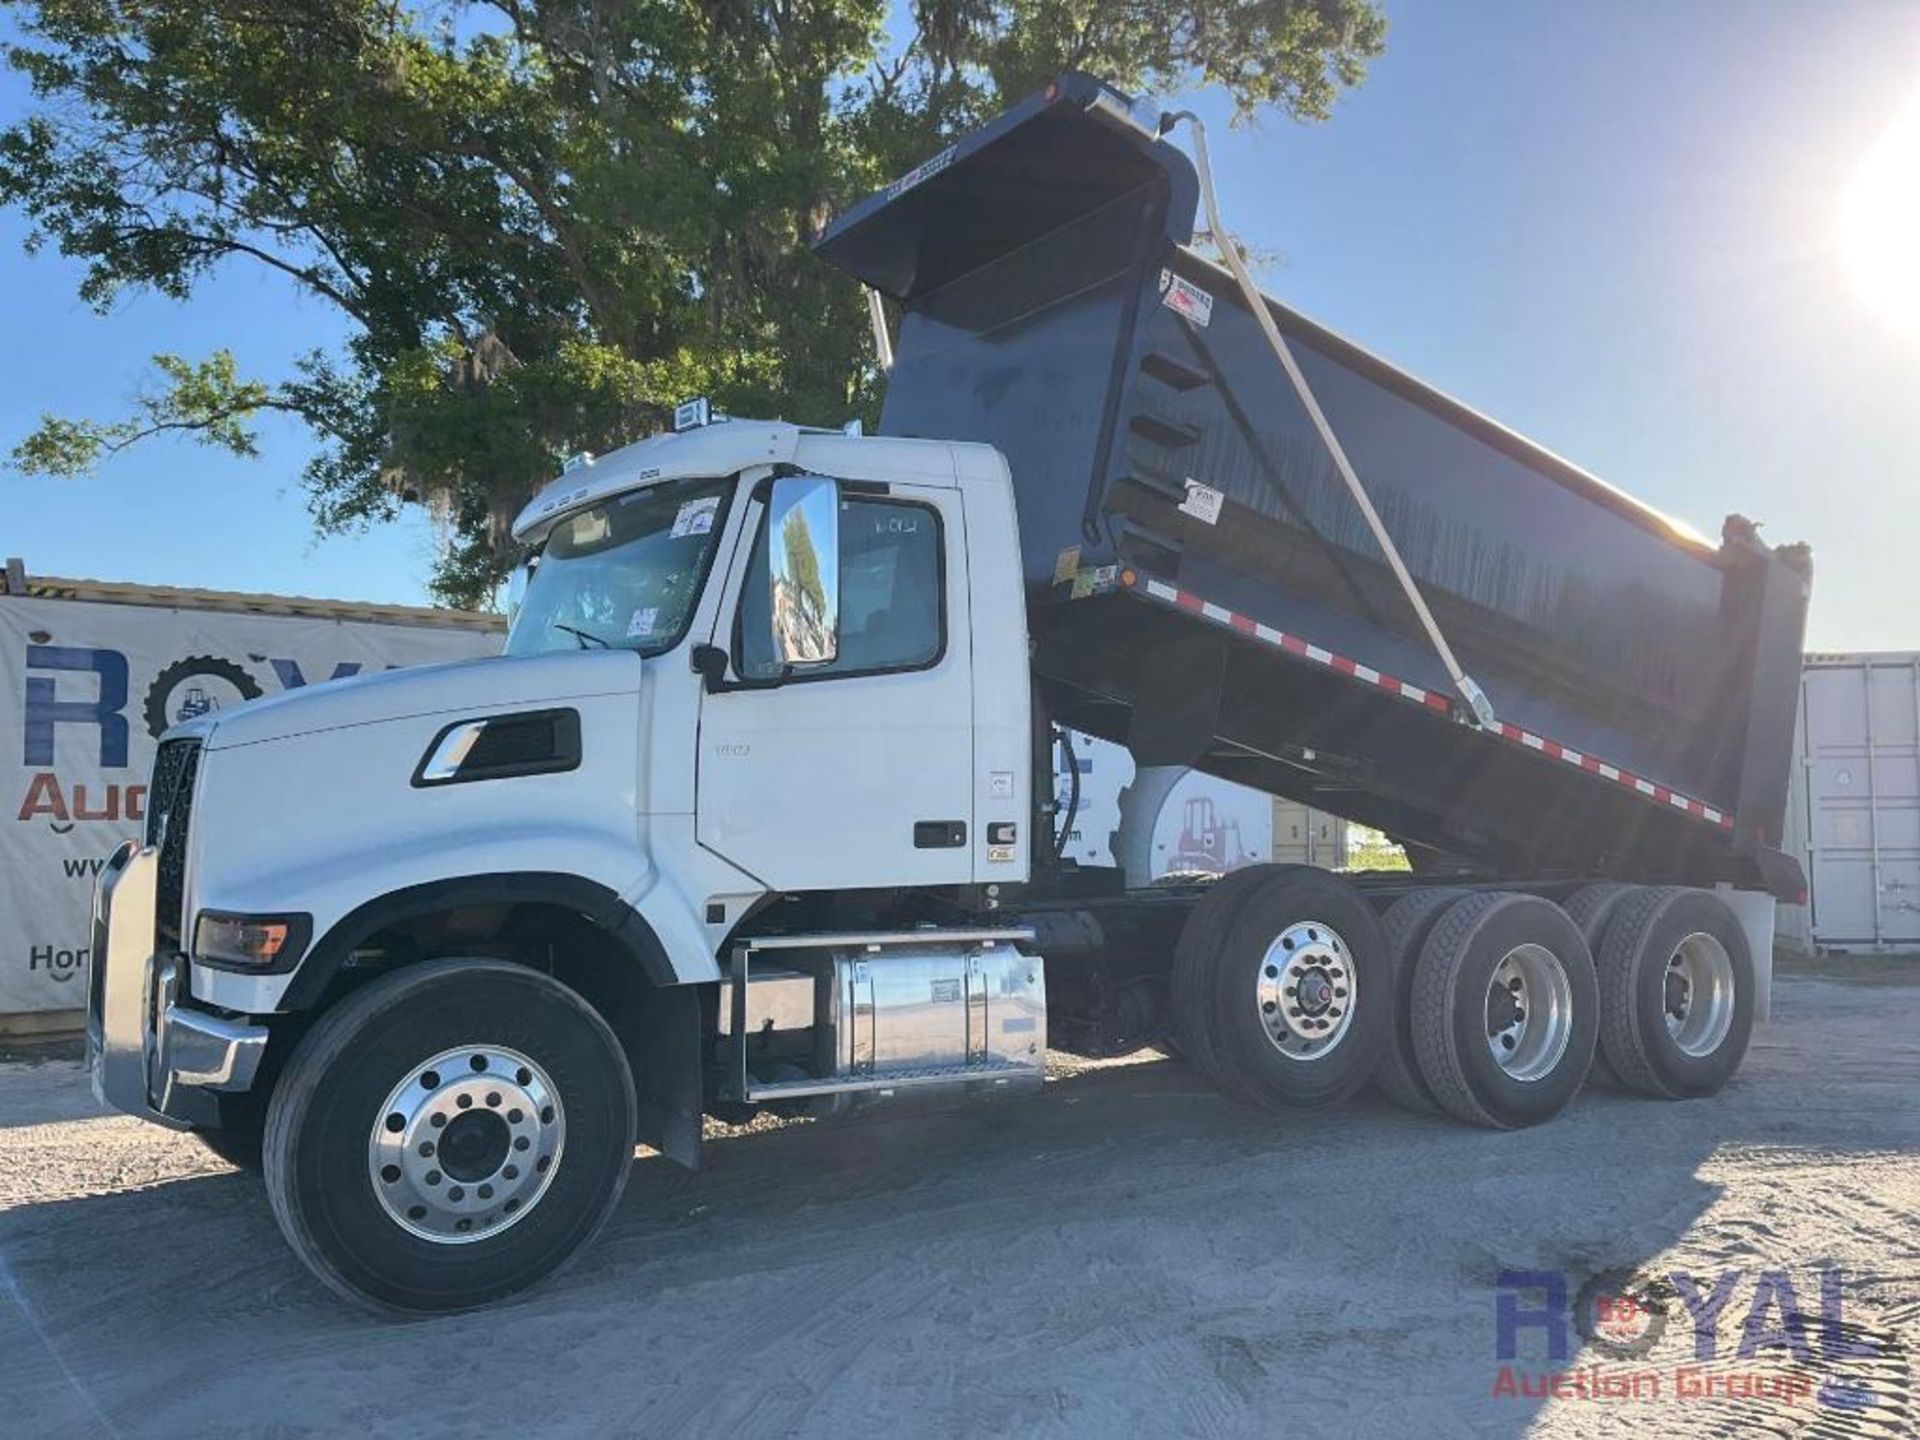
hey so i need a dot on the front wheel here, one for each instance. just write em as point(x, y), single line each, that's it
point(449, 1134)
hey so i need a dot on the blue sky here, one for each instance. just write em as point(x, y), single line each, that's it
point(1611, 227)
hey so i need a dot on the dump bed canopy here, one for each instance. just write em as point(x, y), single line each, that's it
point(1204, 589)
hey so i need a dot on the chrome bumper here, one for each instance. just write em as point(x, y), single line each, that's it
point(147, 1053)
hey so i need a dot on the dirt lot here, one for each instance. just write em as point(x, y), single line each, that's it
point(1126, 1254)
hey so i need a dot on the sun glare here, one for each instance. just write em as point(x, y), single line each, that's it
point(1880, 223)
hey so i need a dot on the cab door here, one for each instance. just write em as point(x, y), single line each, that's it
point(837, 751)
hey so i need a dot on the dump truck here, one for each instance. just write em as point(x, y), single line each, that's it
point(753, 815)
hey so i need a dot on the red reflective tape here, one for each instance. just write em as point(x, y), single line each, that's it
point(1432, 700)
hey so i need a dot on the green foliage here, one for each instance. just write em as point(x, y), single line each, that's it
point(803, 563)
point(1369, 849)
point(544, 220)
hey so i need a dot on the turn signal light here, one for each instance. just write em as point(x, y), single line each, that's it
point(252, 942)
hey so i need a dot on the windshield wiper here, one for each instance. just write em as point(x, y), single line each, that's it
point(583, 636)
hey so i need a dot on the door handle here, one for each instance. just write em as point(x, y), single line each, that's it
point(939, 834)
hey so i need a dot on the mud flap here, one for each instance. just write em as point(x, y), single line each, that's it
point(662, 1039)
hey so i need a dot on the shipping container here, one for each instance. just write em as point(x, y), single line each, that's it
point(1857, 798)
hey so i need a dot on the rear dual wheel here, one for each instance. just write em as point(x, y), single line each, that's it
point(1503, 1010)
point(1592, 908)
point(1407, 923)
point(1677, 991)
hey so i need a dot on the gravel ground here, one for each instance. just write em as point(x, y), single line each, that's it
point(1125, 1254)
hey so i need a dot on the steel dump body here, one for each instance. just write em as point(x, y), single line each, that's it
point(1203, 588)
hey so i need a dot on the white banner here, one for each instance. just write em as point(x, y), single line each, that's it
point(85, 689)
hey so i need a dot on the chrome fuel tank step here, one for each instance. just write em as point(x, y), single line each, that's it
point(915, 1009)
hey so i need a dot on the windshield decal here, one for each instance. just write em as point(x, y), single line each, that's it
point(695, 517)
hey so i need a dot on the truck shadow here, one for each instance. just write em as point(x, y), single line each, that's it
point(1125, 1251)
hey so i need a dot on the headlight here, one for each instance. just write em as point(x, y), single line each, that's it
point(265, 943)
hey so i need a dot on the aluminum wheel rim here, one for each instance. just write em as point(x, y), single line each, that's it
point(1698, 998)
point(467, 1145)
point(1305, 990)
point(1529, 1012)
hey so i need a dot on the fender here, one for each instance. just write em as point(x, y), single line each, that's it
point(624, 925)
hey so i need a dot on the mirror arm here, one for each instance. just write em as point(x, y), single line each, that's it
point(710, 662)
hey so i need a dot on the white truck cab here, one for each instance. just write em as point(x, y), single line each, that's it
point(747, 661)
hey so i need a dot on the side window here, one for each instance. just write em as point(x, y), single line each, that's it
point(891, 607)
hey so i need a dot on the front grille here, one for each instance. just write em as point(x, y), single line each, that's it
point(169, 808)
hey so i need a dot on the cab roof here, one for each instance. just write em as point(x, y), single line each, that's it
point(728, 447)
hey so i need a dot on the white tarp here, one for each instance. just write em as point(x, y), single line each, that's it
point(86, 688)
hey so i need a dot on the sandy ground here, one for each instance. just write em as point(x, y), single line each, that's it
point(1125, 1254)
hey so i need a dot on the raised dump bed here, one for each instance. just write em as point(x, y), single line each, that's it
point(1204, 589)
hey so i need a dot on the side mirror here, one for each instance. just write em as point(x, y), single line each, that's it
point(803, 566)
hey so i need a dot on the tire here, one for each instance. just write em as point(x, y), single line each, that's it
point(565, 1093)
point(1302, 926)
point(1190, 987)
point(1407, 923)
point(1645, 943)
point(1453, 995)
point(1592, 908)
point(241, 1133)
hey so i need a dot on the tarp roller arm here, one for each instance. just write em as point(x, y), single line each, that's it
point(1477, 702)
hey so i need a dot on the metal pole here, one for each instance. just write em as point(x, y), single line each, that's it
point(882, 342)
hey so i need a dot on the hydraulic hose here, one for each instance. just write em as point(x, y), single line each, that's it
point(1073, 796)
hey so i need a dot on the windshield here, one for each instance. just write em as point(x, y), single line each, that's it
point(624, 574)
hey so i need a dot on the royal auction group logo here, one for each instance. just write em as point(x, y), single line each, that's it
point(95, 695)
point(1776, 1337)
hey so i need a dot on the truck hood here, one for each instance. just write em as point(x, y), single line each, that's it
point(459, 687)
